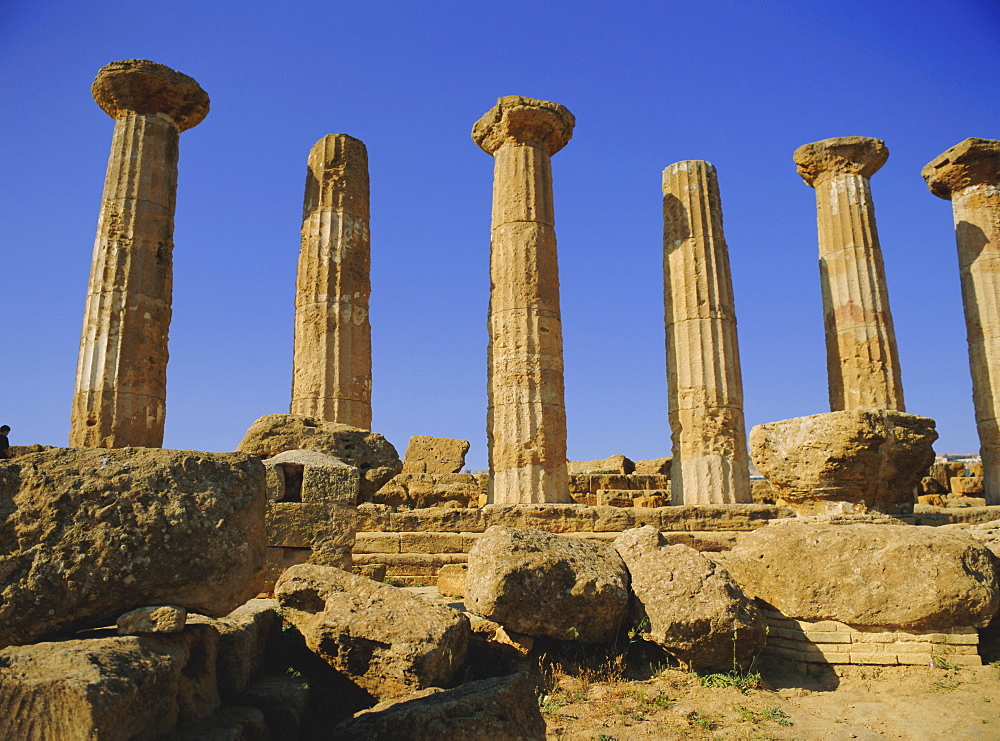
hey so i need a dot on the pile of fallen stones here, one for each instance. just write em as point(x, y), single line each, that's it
point(129, 607)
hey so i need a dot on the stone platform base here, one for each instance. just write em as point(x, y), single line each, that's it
point(827, 642)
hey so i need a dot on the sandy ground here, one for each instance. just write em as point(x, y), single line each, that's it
point(863, 703)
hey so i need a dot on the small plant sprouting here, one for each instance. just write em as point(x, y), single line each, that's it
point(776, 715)
point(392, 582)
point(744, 681)
point(940, 660)
point(705, 721)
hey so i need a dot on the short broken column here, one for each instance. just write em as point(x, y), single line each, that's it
point(968, 174)
point(332, 366)
point(121, 378)
point(704, 383)
point(861, 357)
point(526, 416)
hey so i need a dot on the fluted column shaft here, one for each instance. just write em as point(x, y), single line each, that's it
point(526, 416)
point(332, 366)
point(121, 379)
point(969, 175)
point(861, 356)
point(704, 382)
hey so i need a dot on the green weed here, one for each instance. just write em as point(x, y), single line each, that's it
point(775, 715)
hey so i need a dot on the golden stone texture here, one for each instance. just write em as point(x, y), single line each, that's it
point(861, 356)
point(969, 175)
point(705, 386)
point(120, 396)
point(526, 416)
point(332, 367)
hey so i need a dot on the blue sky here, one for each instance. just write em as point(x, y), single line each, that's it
point(740, 84)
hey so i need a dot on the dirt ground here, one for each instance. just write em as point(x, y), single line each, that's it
point(912, 702)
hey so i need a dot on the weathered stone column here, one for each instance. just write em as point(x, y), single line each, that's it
point(121, 377)
point(969, 175)
point(861, 358)
point(704, 383)
point(332, 367)
point(526, 416)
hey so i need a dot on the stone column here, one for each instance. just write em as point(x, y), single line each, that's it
point(861, 358)
point(969, 175)
point(332, 366)
point(704, 383)
point(121, 380)
point(526, 416)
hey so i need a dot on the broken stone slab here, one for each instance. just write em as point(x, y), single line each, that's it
point(387, 641)
point(612, 464)
point(242, 639)
point(162, 619)
point(864, 458)
point(426, 454)
point(894, 576)
point(369, 452)
point(545, 585)
point(654, 466)
point(636, 542)
point(119, 687)
point(966, 485)
point(690, 606)
point(91, 534)
point(499, 709)
point(421, 490)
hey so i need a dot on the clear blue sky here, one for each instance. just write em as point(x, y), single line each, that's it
point(740, 84)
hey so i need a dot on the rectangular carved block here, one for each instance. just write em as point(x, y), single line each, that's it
point(331, 484)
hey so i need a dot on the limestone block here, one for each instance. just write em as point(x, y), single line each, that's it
point(387, 641)
point(931, 485)
point(434, 455)
point(613, 464)
point(909, 578)
point(430, 542)
point(367, 451)
point(331, 484)
point(377, 543)
point(762, 492)
point(411, 564)
point(965, 485)
point(113, 530)
point(161, 619)
point(545, 585)
point(933, 500)
point(502, 709)
point(306, 524)
point(373, 571)
point(869, 458)
point(652, 500)
point(659, 466)
point(421, 490)
point(960, 500)
point(451, 579)
point(976, 469)
point(635, 543)
point(278, 560)
point(691, 607)
point(120, 687)
point(944, 472)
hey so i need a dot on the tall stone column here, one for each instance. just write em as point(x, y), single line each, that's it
point(968, 174)
point(332, 366)
point(121, 377)
point(861, 358)
point(704, 383)
point(526, 416)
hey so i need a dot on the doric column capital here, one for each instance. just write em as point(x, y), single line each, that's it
point(859, 155)
point(971, 162)
point(141, 86)
point(524, 121)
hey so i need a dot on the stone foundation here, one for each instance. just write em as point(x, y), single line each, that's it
point(825, 642)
